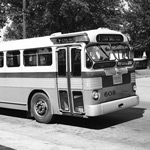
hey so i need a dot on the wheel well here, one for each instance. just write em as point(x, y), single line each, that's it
point(30, 97)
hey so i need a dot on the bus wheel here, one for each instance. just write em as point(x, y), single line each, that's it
point(41, 108)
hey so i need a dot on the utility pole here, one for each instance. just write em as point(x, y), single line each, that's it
point(24, 19)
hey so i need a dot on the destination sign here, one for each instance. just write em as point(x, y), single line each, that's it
point(109, 38)
point(70, 39)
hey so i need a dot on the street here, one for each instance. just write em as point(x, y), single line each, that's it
point(122, 130)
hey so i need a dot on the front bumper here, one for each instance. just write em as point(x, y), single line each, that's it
point(108, 107)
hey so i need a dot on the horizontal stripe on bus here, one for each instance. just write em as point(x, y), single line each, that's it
point(106, 81)
point(28, 82)
point(46, 74)
point(28, 75)
point(86, 83)
point(52, 74)
point(79, 83)
point(76, 83)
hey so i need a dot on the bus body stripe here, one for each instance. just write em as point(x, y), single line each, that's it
point(76, 83)
point(92, 83)
point(28, 82)
point(62, 83)
point(87, 81)
point(28, 75)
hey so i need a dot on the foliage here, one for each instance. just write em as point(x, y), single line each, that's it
point(44, 17)
point(138, 23)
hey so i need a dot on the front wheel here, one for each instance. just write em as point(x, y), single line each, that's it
point(41, 108)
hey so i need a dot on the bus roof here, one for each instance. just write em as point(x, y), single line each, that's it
point(58, 38)
point(94, 31)
point(26, 43)
point(91, 35)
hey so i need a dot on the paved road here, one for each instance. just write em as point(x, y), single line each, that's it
point(126, 129)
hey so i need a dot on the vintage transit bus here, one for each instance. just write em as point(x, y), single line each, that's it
point(84, 74)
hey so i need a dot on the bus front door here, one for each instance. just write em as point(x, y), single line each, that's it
point(69, 80)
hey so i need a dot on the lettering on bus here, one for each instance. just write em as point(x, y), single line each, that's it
point(110, 93)
point(109, 38)
point(70, 39)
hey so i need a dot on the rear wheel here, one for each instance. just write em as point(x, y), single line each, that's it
point(41, 108)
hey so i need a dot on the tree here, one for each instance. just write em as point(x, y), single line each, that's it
point(138, 23)
point(106, 13)
point(44, 17)
point(3, 18)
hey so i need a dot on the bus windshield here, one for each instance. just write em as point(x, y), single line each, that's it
point(121, 51)
point(101, 55)
point(105, 52)
point(105, 55)
point(100, 52)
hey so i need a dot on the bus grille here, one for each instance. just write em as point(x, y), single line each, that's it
point(133, 77)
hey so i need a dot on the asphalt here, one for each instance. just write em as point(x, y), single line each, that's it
point(5, 148)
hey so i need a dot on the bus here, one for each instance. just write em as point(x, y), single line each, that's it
point(83, 74)
point(140, 59)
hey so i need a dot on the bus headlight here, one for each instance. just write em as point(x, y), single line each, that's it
point(95, 95)
point(134, 87)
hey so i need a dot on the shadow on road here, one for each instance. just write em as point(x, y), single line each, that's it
point(96, 123)
point(5, 148)
point(13, 113)
point(104, 121)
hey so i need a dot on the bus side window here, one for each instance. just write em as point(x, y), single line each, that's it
point(30, 57)
point(45, 57)
point(1, 59)
point(13, 58)
point(38, 57)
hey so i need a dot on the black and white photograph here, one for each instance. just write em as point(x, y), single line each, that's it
point(74, 74)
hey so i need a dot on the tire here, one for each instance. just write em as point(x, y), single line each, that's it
point(41, 108)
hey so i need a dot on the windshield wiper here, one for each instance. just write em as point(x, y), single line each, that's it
point(103, 51)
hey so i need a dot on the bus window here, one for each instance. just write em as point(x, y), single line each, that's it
point(1, 59)
point(30, 57)
point(98, 53)
point(62, 62)
point(64, 104)
point(45, 57)
point(78, 101)
point(101, 56)
point(38, 57)
point(13, 58)
point(121, 51)
point(76, 62)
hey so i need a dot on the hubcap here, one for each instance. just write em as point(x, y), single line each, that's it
point(41, 107)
